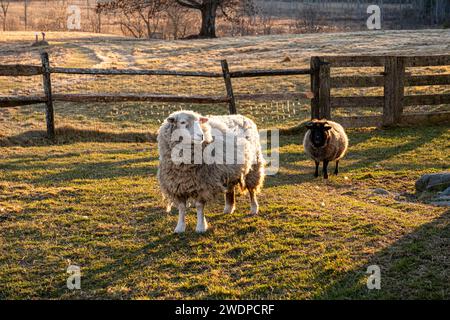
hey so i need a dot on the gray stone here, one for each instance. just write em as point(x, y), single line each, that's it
point(446, 192)
point(441, 199)
point(433, 182)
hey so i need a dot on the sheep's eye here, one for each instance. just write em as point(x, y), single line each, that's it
point(183, 122)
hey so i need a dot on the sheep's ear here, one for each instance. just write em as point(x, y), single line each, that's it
point(171, 120)
point(203, 119)
point(327, 127)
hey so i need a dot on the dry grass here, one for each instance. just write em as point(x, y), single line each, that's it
point(92, 199)
point(266, 52)
point(96, 204)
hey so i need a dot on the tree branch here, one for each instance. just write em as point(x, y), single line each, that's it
point(190, 4)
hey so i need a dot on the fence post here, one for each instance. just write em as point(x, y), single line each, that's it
point(324, 91)
point(390, 69)
point(401, 69)
point(229, 87)
point(50, 115)
point(394, 90)
point(315, 83)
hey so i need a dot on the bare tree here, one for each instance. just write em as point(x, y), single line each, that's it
point(209, 10)
point(178, 21)
point(4, 5)
point(53, 19)
point(149, 12)
point(138, 17)
point(96, 20)
point(307, 20)
point(25, 13)
point(243, 17)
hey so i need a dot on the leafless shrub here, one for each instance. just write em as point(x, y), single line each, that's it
point(179, 21)
point(267, 22)
point(242, 18)
point(53, 19)
point(307, 20)
point(137, 18)
point(95, 21)
point(4, 6)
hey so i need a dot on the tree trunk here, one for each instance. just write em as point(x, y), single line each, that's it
point(208, 10)
point(99, 22)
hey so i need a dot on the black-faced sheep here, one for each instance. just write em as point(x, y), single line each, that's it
point(184, 176)
point(325, 141)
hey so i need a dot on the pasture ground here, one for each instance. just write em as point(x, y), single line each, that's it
point(91, 199)
point(97, 205)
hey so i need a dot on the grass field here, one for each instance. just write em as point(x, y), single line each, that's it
point(91, 199)
point(97, 205)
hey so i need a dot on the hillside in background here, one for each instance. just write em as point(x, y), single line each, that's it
point(266, 17)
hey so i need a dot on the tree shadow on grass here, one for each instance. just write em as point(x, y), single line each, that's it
point(127, 263)
point(68, 135)
point(64, 168)
point(415, 267)
point(98, 171)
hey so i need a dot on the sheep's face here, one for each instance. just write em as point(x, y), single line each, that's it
point(189, 124)
point(318, 133)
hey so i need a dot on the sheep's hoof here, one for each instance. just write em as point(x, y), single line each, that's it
point(201, 228)
point(253, 211)
point(180, 229)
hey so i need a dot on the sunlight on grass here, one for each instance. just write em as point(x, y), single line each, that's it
point(91, 197)
point(97, 205)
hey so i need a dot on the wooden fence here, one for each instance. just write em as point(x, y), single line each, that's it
point(230, 98)
point(394, 79)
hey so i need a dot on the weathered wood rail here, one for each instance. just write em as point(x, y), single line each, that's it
point(230, 98)
point(394, 80)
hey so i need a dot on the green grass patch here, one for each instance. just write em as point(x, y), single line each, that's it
point(97, 205)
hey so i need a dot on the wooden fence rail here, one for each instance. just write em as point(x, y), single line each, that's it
point(393, 79)
point(46, 70)
point(17, 70)
point(117, 72)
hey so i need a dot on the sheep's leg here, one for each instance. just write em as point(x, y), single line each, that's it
point(229, 202)
point(181, 226)
point(316, 174)
point(202, 225)
point(336, 169)
point(325, 169)
point(254, 206)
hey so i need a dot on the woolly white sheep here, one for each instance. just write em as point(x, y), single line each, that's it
point(325, 141)
point(184, 177)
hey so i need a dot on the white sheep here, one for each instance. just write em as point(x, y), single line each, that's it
point(325, 141)
point(183, 177)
